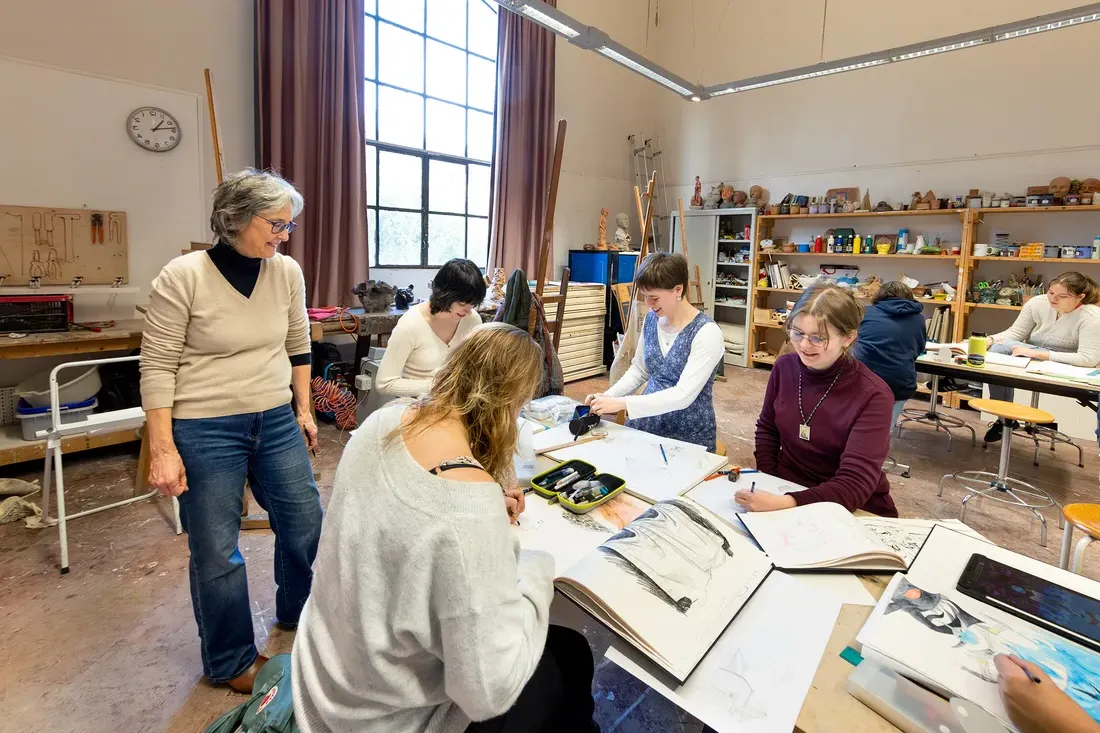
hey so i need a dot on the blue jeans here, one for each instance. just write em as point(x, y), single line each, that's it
point(218, 454)
point(996, 391)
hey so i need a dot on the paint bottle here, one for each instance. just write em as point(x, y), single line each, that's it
point(903, 239)
point(975, 350)
point(859, 244)
point(831, 244)
point(1096, 249)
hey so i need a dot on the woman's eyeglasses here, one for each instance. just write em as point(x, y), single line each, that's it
point(278, 227)
point(816, 340)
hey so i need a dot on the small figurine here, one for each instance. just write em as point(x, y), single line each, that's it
point(697, 199)
point(714, 198)
point(740, 198)
point(374, 295)
point(727, 197)
point(622, 233)
point(496, 285)
point(914, 201)
point(866, 205)
point(402, 299)
point(883, 206)
point(756, 197)
point(601, 243)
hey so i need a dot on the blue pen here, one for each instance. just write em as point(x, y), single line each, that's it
point(663, 453)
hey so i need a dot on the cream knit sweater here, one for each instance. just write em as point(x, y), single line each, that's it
point(208, 351)
point(1073, 338)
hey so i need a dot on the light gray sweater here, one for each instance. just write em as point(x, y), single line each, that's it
point(1073, 338)
point(424, 613)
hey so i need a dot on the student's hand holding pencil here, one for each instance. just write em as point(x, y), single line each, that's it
point(762, 501)
point(514, 503)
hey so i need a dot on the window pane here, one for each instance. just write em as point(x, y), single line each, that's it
point(409, 13)
point(370, 103)
point(446, 131)
point(400, 57)
point(372, 235)
point(477, 238)
point(481, 136)
point(369, 7)
point(372, 175)
point(447, 72)
point(446, 187)
point(447, 21)
point(399, 179)
point(446, 238)
point(398, 238)
point(400, 117)
point(483, 29)
point(368, 49)
point(479, 190)
point(483, 83)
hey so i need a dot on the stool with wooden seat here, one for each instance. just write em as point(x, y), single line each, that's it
point(719, 448)
point(1000, 486)
point(1085, 517)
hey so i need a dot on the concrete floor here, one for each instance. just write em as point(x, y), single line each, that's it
point(112, 646)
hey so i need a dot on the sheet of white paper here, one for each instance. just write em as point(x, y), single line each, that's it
point(567, 536)
point(843, 587)
point(550, 437)
point(924, 624)
point(810, 534)
point(717, 495)
point(756, 676)
point(905, 536)
point(636, 457)
point(1057, 369)
point(1016, 362)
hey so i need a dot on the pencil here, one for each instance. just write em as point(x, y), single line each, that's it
point(752, 489)
point(1031, 676)
point(663, 453)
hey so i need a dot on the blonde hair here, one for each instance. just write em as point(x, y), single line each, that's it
point(482, 384)
point(831, 306)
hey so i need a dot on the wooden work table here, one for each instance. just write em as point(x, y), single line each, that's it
point(124, 336)
point(828, 707)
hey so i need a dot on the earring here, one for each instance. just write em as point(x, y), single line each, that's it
point(679, 297)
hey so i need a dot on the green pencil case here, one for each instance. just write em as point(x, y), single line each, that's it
point(543, 484)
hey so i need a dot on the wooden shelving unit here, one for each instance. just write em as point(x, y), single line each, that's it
point(993, 306)
point(873, 214)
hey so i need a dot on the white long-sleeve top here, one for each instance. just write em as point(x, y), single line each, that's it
point(707, 349)
point(414, 352)
point(1071, 338)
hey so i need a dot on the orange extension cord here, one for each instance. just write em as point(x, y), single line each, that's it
point(328, 396)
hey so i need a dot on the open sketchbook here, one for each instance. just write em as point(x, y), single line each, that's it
point(566, 536)
point(1066, 371)
point(825, 535)
point(636, 457)
point(669, 583)
point(928, 631)
point(960, 349)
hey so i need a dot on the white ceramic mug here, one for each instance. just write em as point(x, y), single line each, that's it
point(981, 250)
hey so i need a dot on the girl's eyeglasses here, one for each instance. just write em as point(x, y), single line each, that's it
point(816, 340)
point(278, 227)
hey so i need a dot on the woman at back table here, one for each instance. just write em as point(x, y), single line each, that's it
point(1062, 326)
point(430, 331)
point(825, 423)
point(676, 359)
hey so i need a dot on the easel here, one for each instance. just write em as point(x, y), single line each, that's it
point(697, 283)
point(631, 319)
point(547, 247)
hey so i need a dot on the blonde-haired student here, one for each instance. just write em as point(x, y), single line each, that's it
point(825, 423)
point(425, 614)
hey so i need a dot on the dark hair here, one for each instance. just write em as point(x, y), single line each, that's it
point(832, 306)
point(893, 290)
point(663, 271)
point(458, 281)
point(1079, 284)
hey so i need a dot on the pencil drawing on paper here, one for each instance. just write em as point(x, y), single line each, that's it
point(901, 540)
point(739, 698)
point(1073, 668)
point(672, 551)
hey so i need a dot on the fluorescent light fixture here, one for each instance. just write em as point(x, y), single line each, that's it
point(650, 71)
point(940, 49)
point(1052, 22)
point(696, 98)
point(809, 72)
point(546, 16)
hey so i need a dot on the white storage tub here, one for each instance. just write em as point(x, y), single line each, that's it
point(80, 387)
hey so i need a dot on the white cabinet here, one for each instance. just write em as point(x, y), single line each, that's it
point(720, 242)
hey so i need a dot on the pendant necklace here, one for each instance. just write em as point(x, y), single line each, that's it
point(804, 426)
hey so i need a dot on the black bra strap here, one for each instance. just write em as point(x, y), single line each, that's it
point(459, 462)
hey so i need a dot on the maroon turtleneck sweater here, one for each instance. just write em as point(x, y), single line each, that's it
point(849, 434)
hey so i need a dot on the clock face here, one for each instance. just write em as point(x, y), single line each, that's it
point(153, 129)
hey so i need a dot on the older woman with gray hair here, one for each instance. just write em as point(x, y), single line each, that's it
point(225, 350)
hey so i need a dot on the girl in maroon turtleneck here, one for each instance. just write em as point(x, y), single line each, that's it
point(825, 423)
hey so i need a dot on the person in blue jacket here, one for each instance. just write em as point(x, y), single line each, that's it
point(891, 337)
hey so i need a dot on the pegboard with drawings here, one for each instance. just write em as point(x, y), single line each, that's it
point(58, 245)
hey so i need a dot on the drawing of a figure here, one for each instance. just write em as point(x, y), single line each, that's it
point(740, 699)
point(671, 549)
point(1073, 668)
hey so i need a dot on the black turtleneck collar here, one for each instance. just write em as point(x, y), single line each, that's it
point(241, 272)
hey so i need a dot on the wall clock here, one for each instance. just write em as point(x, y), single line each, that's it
point(153, 129)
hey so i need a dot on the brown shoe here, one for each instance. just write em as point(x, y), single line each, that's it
point(243, 682)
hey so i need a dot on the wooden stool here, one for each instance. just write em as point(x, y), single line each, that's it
point(1085, 517)
point(719, 447)
point(1000, 486)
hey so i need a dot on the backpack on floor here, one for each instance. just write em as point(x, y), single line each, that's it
point(271, 707)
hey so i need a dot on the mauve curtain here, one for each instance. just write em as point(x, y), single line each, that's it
point(525, 142)
point(310, 129)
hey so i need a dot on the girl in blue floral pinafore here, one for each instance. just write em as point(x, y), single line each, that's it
point(695, 423)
